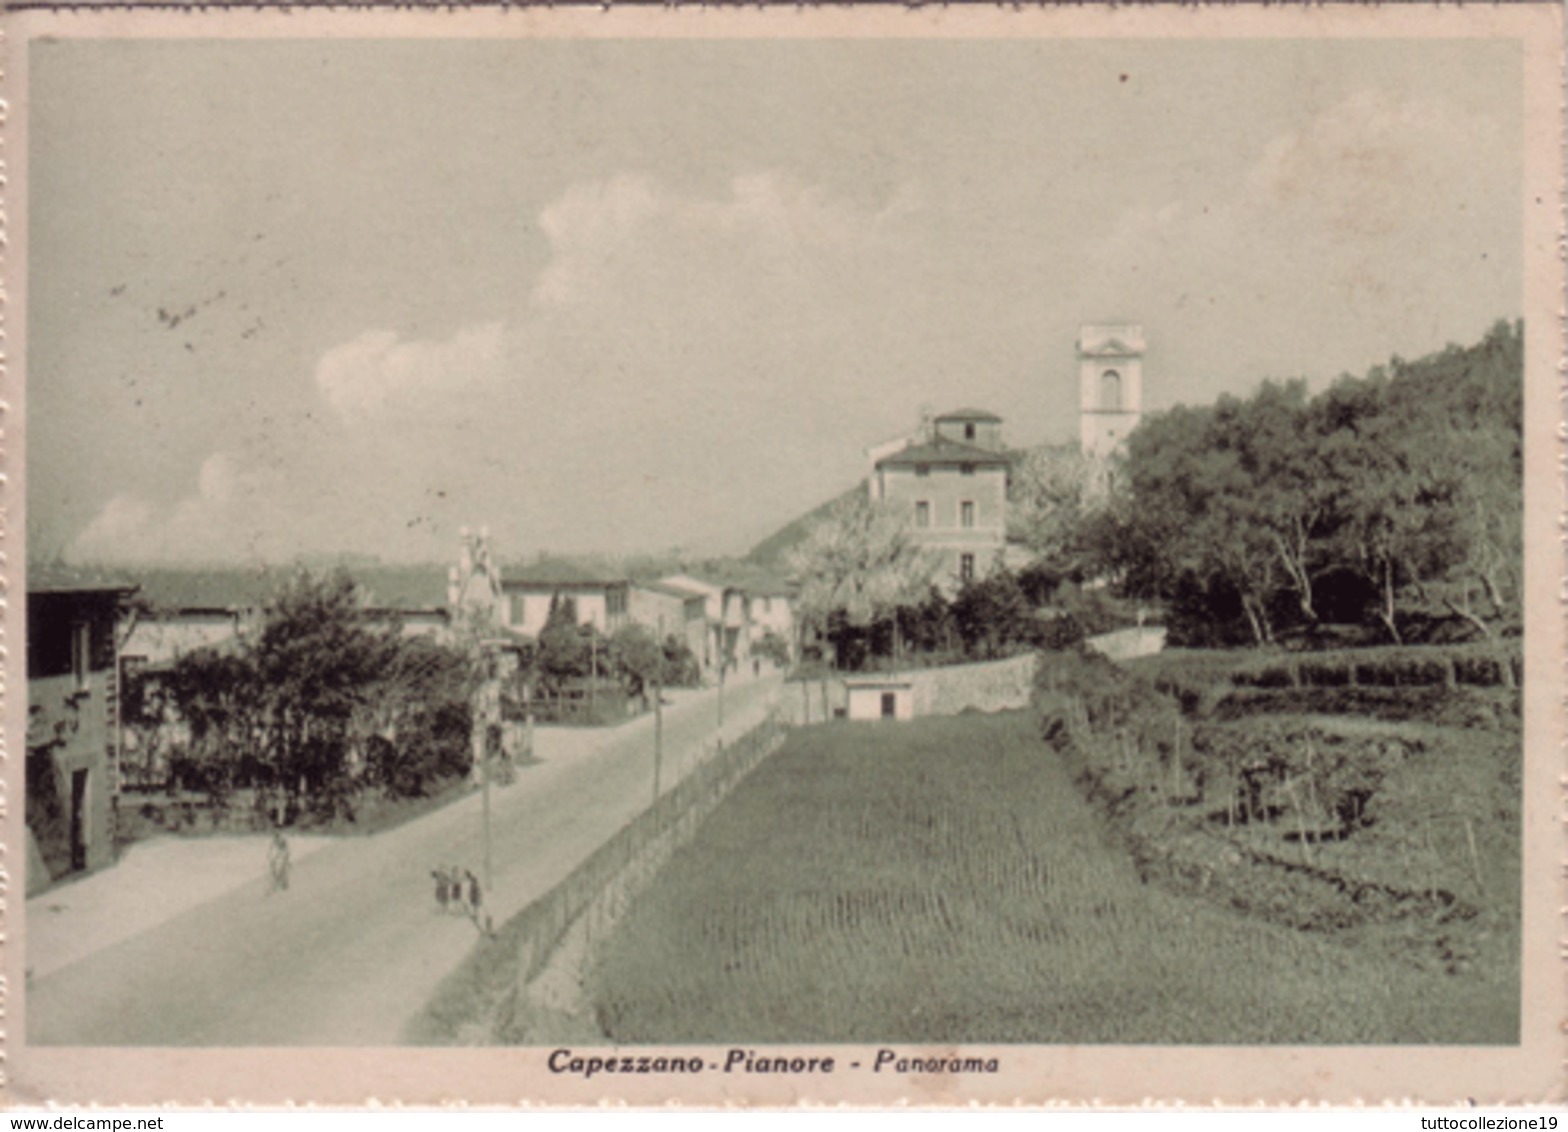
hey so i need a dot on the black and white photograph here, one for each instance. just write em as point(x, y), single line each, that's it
point(752, 556)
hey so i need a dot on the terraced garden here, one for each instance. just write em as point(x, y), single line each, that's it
point(945, 881)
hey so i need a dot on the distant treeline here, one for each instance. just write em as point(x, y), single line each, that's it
point(1393, 500)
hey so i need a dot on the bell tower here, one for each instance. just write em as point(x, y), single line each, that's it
point(1110, 385)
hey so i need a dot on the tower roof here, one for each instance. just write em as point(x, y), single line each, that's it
point(1119, 339)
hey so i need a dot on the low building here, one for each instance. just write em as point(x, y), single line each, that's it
point(887, 696)
point(73, 746)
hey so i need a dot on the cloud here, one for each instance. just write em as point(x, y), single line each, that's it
point(632, 225)
point(367, 373)
point(235, 510)
point(631, 399)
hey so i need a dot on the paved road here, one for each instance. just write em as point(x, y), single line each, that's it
point(354, 948)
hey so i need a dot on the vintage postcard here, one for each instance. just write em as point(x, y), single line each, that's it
point(783, 555)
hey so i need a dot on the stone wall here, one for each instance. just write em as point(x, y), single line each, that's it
point(1125, 644)
point(804, 702)
point(524, 980)
point(997, 685)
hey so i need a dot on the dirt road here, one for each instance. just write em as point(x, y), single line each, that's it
point(355, 946)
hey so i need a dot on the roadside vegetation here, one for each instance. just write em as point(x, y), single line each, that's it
point(315, 715)
point(321, 714)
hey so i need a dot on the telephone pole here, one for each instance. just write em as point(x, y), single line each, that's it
point(658, 713)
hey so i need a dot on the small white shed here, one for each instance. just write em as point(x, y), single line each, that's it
point(881, 697)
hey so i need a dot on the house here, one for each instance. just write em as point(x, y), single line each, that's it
point(727, 609)
point(880, 696)
point(196, 608)
point(953, 484)
point(671, 611)
point(191, 608)
point(773, 611)
point(73, 728)
point(528, 591)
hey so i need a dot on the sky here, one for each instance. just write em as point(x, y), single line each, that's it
point(299, 298)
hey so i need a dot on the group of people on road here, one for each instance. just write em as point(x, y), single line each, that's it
point(458, 890)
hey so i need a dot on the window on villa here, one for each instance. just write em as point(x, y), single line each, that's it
point(966, 513)
point(517, 612)
point(922, 469)
point(967, 469)
point(922, 514)
point(966, 568)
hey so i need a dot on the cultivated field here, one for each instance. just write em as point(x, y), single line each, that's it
point(944, 881)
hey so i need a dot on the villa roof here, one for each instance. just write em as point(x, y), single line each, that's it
point(971, 415)
point(941, 450)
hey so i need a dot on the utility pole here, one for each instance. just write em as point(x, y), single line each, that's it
point(724, 663)
point(658, 713)
point(492, 738)
point(593, 669)
point(484, 780)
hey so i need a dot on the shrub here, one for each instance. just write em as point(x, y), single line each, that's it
point(1402, 670)
point(1058, 633)
point(1328, 673)
point(1481, 670)
point(1274, 674)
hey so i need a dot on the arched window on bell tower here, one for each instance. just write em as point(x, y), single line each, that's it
point(1111, 390)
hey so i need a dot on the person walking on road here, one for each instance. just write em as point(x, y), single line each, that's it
point(278, 861)
point(476, 902)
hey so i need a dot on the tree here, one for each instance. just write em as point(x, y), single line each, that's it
point(316, 660)
point(1292, 484)
point(1190, 508)
point(1400, 488)
point(1051, 496)
point(858, 567)
point(636, 657)
point(681, 668)
point(563, 650)
point(774, 648)
point(316, 703)
point(416, 725)
point(992, 613)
